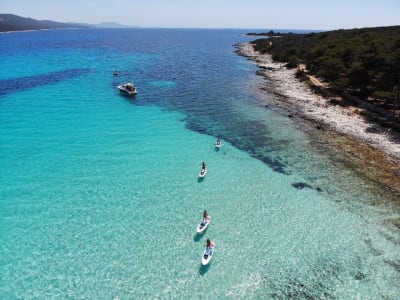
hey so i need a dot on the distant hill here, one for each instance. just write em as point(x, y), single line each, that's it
point(10, 22)
point(112, 25)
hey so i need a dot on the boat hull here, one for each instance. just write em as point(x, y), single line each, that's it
point(124, 90)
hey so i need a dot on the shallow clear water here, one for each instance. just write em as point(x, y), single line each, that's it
point(100, 195)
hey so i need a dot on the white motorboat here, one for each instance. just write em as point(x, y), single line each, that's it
point(128, 89)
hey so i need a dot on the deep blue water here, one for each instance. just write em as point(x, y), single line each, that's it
point(100, 196)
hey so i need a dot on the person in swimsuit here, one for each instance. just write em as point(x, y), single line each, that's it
point(206, 217)
point(209, 249)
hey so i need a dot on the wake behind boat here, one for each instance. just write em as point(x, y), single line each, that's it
point(128, 89)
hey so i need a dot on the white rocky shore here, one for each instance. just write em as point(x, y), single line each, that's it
point(298, 97)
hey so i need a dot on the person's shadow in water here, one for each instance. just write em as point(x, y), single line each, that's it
point(203, 269)
point(197, 237)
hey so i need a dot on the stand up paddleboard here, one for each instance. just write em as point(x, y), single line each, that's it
point(218, 144)
point(203, 225)
point(207, 256)
point(203, 172)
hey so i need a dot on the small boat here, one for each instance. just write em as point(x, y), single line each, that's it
point(116, 73)
point(207, 255)
point(203, 225)
point(128, 89)
point(203, 172)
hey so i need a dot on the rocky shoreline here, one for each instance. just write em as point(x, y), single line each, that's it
point(374, 149)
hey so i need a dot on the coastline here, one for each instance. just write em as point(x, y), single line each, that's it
point(30, 30)
point(377, 149)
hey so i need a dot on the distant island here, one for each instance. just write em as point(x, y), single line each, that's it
point(11, 22)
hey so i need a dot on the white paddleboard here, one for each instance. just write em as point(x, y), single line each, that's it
point(203, 172)
point(205, 259)
point(202, 227)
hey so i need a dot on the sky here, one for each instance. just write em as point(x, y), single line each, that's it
point(246, 14)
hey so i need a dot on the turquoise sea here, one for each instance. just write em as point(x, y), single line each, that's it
point(100, 195)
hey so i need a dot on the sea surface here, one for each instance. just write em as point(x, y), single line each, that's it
point(100, 195)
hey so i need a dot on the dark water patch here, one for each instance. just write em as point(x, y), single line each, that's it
point(252, 137)
point(391, 238)
point(259, 153)
point(15, 85)
point(295, 288)
point(274, 164)
point(374, 251)
point(301, 185)
point(359, 276)
point(245, 143)
point(394, 264)
point(197, 237)
point(395, 222)
point(325, 276)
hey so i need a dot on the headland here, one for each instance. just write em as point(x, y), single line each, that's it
point(372, 148)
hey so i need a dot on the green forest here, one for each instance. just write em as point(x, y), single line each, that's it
point(361, 62)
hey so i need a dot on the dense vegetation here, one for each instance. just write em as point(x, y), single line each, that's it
point(363, 62)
